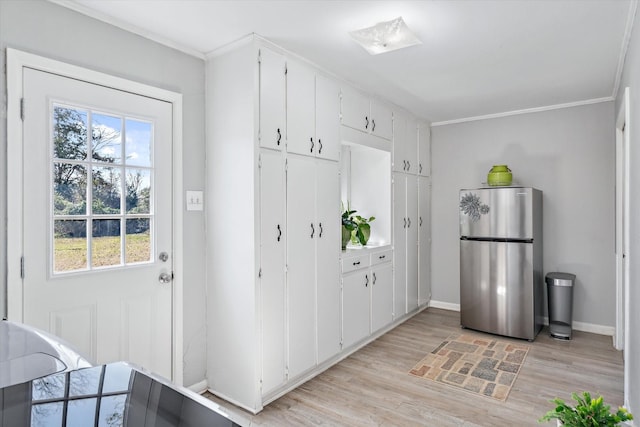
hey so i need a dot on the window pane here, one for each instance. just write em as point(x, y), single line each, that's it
point(70, 245)
point(49, 387)
point(112, 411)
point(106, 190)
point(138, 240)
point(138, 143)
point(116, 378)
point(105, 249)
point(81, 412)
point(69, 189)
point(46, 415)
point(138, 191)
point(106, 138)
point(84, 381)
point(69, 133)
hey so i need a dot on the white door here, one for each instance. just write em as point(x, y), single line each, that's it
point(399, 143)
point(424, 240)
point(412, 242)
point(272, 259)
point(424, 149)
point(355, 110)
point(399, 245)
point(356, 303)
point(98, 219)
point(381, 120)
point(272, 100)
point(327, 118)
point(381, 296)
point(302, 233)
point(301, 109)
point(328, 258)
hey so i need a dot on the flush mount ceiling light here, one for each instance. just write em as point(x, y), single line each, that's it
point(385, 36)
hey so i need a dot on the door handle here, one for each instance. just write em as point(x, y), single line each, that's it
point(279, 232)
point(420, 221)
point(373, 125)
point(420, 168)
point(408, 166)
point(313, 230)
point(279, 137)
point(404, 163)
point(165, 278)
point(320, 234)
point(374, 278)
point(408, 222)
point(320, 146)
point(311, 151)
point(366, 125)
point(366, 284)
point(405, 223)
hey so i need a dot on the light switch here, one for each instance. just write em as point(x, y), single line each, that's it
point(195, 200)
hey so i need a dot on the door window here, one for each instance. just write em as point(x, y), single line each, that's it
point(106, 159)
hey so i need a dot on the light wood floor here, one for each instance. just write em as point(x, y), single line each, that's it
point(373, 388)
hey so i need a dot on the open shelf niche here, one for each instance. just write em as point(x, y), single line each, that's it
point(366, 184)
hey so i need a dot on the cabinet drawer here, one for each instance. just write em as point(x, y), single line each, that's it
point(355, 263)
point(382, 256)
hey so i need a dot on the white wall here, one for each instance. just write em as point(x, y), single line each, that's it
point(569, 154)
point(49, 30)
point(631, 79)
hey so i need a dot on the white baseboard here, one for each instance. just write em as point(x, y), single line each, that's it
point(444, 305)
point(578, 326)
point(199, 387)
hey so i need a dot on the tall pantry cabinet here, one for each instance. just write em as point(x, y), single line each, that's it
point(273, 236)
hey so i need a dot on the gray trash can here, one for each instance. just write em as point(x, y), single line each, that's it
point(560, 298)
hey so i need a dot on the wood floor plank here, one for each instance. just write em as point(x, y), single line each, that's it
point(372, 387)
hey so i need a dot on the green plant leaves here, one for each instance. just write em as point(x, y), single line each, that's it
point(588, 412)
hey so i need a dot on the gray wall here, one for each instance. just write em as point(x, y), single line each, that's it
point(631, 79)
point(569, 154)
point(50, 30)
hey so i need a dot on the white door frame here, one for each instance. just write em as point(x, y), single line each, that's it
point(622, 231)
point(16, 61)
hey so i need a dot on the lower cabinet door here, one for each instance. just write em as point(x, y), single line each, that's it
point(356, 302)
point(381, 296)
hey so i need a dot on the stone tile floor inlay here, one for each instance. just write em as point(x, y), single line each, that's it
point(484, 366)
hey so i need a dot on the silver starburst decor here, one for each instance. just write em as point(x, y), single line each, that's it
point(470, 205)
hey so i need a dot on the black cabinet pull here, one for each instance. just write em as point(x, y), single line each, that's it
point(405, 223)
point(374, 278)
point(279, 232)
point(279, 137)
point(408, 222)
point(366, 284)
point(382, 257)
point(366, 125)
point(408, 166)
point(420, 221)
point(320, 146)
point(311, 151)
point(420, 168)
point(313, 230)
point(320, 225)
point(373, 125)
point(356, 263)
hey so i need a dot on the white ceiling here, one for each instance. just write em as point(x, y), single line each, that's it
point(478, 57)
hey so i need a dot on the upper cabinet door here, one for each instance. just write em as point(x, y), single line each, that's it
point(355, 109)
point(381, 120)
point(327, 118)
point(411, 146)
point(424, 149)
point(399, 143)
point(272, 99)
point(301, 105)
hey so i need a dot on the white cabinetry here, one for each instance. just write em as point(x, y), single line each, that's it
point(273, 278)
point(272, 275)
point(405, 143)
point(272, 99)
point(313, 113)
point(405, 243)
point(367, 115)
point(424, 240)
point(356, 307)
point(424, 149)
point(381, 290)
point(313, 215)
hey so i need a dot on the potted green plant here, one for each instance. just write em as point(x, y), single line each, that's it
point(348, 225)
point(363, 232)
point(587, 412)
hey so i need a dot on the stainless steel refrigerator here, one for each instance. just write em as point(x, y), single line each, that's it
point(501, 277)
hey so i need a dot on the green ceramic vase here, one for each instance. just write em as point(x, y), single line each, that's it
point(500, 175)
